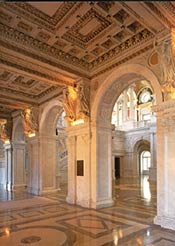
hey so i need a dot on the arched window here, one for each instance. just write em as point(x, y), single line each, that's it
point(145, 161)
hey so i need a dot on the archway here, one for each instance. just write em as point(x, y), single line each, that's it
point(19, 156)
point(117, 82)
point(140, 147)
point(102, 108)
point(49, 145)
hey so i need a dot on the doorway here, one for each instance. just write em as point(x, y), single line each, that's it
point(117, 167)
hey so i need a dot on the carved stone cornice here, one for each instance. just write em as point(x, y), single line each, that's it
point(24, 39)
point(124, 47)
point(169, 7)
point(164, 106)
point(122, 3)
point(40, 58)
point(37, 16)
point(124, 60)
point(154, 9)
point(31, 71)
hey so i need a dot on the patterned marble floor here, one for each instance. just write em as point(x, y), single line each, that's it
point(50, 221)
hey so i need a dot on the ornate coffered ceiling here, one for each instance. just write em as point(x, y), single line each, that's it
point(47, 45)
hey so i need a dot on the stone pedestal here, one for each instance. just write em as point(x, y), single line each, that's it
point(89, 146)
point(165, 164)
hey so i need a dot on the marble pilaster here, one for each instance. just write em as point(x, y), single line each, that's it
point(9, 166)
point(153, 150)
point(19, 170)
point(42, 164)
point(91, 144)
point(165, 164)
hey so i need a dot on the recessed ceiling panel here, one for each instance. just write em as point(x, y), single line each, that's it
point(48, 8)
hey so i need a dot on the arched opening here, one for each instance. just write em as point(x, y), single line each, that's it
point(52, 128)
point(145, 162)
point(20, 168)
point(139, 88)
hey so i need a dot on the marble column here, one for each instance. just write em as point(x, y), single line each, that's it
point(19, 170)
point(153, 150)
point(125, 106)
point(132, 110)
point(9, 166)
point(165, 164)
point(117, 113)
point(42, 164)
point(91, 146)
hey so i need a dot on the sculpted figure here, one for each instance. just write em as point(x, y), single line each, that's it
point(29, 121)
point(3, 130)
point(82, 100)
point(168, 72)
point(69, 103)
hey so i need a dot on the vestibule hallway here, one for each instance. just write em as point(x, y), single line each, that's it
point(49, 220)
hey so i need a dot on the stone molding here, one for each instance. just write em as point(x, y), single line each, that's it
point(165, 222)
point(164, 106)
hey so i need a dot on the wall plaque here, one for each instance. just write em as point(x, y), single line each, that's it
point(80, 168)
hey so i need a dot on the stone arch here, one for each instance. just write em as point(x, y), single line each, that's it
point(117, 82)
point(49, 117)
point(139, 147)
point(18, 130)
point(48, 145)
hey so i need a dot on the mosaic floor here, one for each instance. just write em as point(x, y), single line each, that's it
point(50, 221)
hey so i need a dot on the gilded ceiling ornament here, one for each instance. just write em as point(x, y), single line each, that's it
point(30, 121)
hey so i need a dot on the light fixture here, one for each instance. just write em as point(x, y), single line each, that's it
point(7, 231)
point(7, 141)
point(30, 135)
point(77, 122)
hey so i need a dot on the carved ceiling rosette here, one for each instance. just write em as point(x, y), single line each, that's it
point(30, 121)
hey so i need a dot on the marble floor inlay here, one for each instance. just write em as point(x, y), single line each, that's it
point(50, 221)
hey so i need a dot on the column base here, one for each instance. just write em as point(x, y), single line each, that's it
point(46, 191)
point(33, 191)
point(21, 187)
point(102, 204)
point(70, 200)
point(165, 222)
